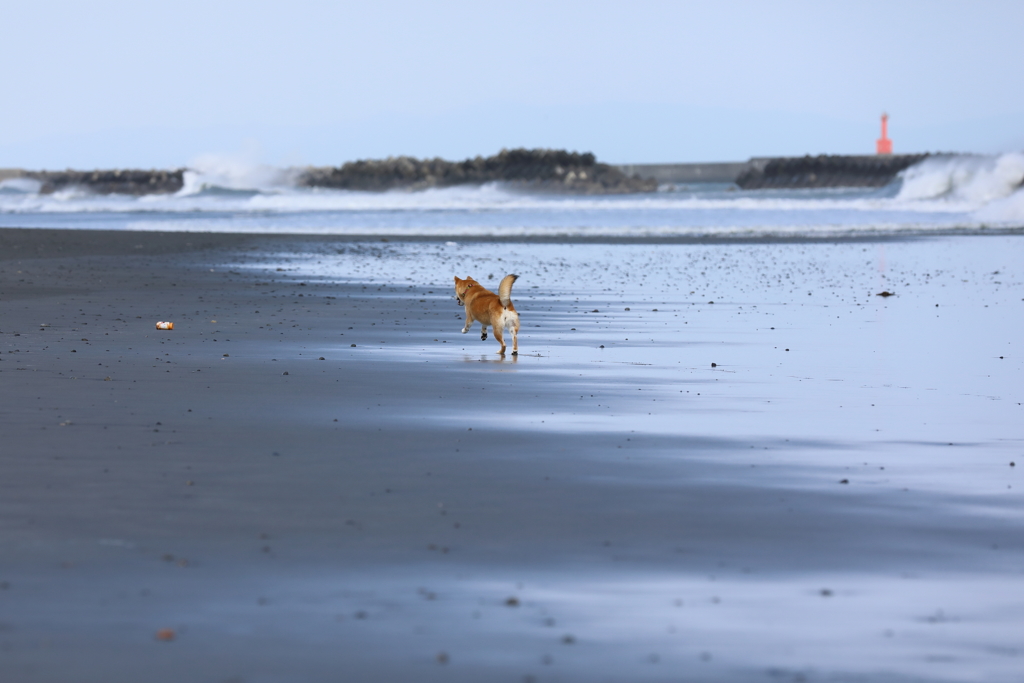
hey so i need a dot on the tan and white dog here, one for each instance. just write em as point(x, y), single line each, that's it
point(495, 310)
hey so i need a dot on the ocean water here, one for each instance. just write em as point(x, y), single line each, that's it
point(955, 195)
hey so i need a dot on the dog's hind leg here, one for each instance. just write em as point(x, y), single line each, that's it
point(501, 339)
point(515, 336)
point(483, 332)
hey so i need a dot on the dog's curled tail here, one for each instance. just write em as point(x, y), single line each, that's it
point(505, 289)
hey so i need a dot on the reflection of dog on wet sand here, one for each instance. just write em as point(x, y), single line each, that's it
point(489, 308)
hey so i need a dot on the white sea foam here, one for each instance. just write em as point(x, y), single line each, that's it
point(196, 196)
point(1009, 210)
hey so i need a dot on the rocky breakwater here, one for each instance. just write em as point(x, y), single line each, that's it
point(824, 171)
point(130, 182)
point(533, 169)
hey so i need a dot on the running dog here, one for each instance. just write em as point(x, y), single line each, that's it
point(489, 308)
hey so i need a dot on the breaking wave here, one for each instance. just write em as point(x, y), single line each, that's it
point(213, 173)
point(976, 179)
point(990, 186)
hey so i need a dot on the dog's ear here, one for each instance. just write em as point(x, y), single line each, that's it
point(457, 280)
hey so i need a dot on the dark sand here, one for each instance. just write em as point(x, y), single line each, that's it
point(294, 518)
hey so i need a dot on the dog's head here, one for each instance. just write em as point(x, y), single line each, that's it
point(461, 287)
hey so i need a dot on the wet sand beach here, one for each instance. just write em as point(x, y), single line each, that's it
point(716, 461)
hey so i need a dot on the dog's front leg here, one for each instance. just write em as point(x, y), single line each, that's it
point(469, 321)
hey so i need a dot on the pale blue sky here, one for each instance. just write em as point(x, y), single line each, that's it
point(104, 84)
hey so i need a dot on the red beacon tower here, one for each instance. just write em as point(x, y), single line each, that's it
point(883, 145)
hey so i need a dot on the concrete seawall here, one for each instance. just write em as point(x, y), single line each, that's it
point(547, 170)
point(119, 181)
point(783, 172)
point(824, 171)
point(711, 172)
